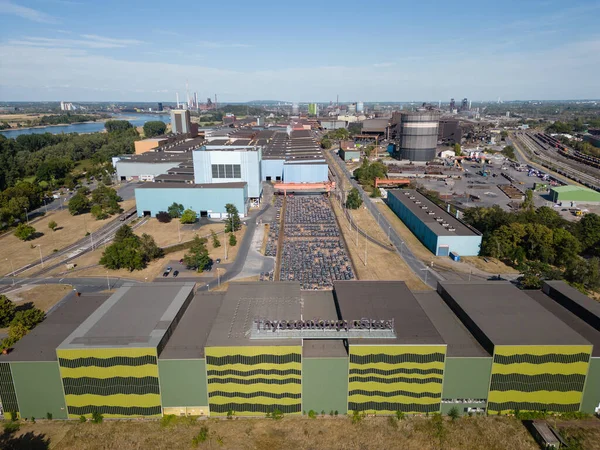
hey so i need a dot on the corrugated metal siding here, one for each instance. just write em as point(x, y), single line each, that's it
point(183, 382)
point(39, 388)
point(305, 173)
point(325, 384)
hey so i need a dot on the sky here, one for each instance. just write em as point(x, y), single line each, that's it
point(300, 51)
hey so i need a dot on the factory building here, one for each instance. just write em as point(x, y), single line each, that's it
point(180, 121)
point(156, 348)
point(570, 193)
point(147, 166)
point(449, 131)
point(417, 133)
point(294, 157)
point(229, 164)
point(438, 230)
point(206, 200)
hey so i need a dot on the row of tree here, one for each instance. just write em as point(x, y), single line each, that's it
point(541, 243)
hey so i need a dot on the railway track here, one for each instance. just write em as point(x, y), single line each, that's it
point(553, 160)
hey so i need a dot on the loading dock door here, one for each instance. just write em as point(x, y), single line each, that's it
point(443, 250)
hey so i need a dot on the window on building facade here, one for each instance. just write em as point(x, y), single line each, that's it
point(226, 171)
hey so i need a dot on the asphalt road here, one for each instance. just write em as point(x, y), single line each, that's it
point(83, 285)
point(428, 275)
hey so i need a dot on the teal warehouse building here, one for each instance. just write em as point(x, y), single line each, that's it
point(207, 200)
point(438, 230)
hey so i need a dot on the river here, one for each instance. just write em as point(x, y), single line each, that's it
point(136, 119)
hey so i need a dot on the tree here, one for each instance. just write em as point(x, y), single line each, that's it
point(78, 204)
point(326, 143)
point(376, 193)
point(457, 149)
point(353, 201)
point(509, 152)
point(588, 232)
point(154, 128)
point(215, 239)
point(528, 204)
point(7, 311)
point(369, 150)
point(368, 171)
point(24, 232)
point(149, 248)
point(566, 247)
point(117, 125)
point(16, 331)
point(188, 216)
point(98, 213)
point(175, 210)
point(584, 272)
point(232, 240)
point(123, 233)
point(453, 413)
point(29, 318)
point(233, 222)
point(107, 199)
point(52, 225)
point(197, 256)
point(163, 217)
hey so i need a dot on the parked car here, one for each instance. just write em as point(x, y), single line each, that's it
point(218, 261)
point(175, 273)
point(165, 274)
point(181, 261)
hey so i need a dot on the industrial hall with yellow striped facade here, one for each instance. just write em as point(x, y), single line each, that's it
point(164, 348)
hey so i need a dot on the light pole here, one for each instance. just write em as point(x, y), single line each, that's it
point(107, 280)
point(13, 271)
point(218, 277)
point(426, 269)
point(41, 259)
point(365, 248)
point(179, 230)
point(401, 245)
point(92, 239)
point(225, 239)
point(26, 215)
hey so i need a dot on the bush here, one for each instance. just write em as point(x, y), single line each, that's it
point(353, 201)
point(49, 415)
point(277, 415)
point(29, 318)
point(24, 232)
point(32, 419)
point(14, 416)
point(232, 240)
point(312, 414)
point(215, 239)
point(82, 419)
point(175, 210)
point(188, 216)
point(399, 415)
point(7, 311)
point(356, 417)
point(97, 417)
point(52, 225)
point(453, 413)
point(11, 427)
point(202, 436)
point(230, 414)
point(163, 217)
point(168, 420)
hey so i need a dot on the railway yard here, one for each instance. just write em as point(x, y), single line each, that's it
point(553, 155)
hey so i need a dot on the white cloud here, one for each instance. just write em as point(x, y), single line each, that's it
point(213, 44)
point(88, 41)
point(7, 7)
point(384, 64)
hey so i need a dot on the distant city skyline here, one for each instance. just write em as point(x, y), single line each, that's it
point(78, 51)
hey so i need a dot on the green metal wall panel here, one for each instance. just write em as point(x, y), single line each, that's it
point(591, 394)
point(39, 389)
point(467, 377)
point(325, 384)
point(182, 382)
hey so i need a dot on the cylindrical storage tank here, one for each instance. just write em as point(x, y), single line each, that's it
point(360, 107)
point(418, 132)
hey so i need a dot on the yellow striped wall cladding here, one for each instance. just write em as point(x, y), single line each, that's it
point(117, 382)
point(254, 380)
point(386, 379)
point(537, 378)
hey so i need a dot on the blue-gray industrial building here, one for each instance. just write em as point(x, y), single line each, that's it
point(207, 200)
point(438, 230)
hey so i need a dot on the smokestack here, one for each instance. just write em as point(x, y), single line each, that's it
point(177, 95)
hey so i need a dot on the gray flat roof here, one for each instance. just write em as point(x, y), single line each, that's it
point(460, 342)
point(174, 177)
point(151, 157)
point(137, 315)
point(429, 220)
point(165, 185)
point(245, 302)
point(574, 322)
point(40, 343)
point(190, 336)
point(498, 313)
point(384, 300)
point(321, 305)
point(581, 304)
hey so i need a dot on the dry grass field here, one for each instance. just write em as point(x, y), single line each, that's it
point(376, 433)
point(43, 297)
point(87, 265)
point(381, 264)
point(70, 230)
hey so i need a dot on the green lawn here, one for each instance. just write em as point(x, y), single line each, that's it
point(83, 166)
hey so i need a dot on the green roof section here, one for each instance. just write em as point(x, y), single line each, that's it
point(574, 193)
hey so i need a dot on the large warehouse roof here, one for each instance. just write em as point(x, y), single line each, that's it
point(385, 300)
point(498, 313)
point(320, 305)
point(137, 315)
point(171, 185)
point(421, 207)
point(190, 336)
point(455, 334)
point(41, 342)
